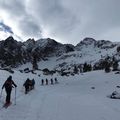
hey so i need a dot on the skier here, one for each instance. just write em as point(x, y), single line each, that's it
point(46, 81)
point(42, 82)
point(51, 81)
point(56, 81)
point(8, 88)
point(33, 83)
point(27, 85)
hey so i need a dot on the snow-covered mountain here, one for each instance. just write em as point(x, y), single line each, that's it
point(84, 96)
point(91, 51)
point(48, 51)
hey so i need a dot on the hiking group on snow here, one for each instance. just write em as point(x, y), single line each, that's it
point(46, 81)
point(28, 84)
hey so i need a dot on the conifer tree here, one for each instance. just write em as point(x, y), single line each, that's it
point(34, 63)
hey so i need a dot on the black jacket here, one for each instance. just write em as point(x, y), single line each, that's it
point(8, 84)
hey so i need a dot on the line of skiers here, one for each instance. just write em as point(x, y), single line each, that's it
point(51, 81)
point(28, 84)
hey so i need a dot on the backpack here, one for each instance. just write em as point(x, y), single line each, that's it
point(8, 84)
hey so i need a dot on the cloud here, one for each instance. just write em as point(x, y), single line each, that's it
point(64, 20)
point(13, 7)
point(29, 27)
point(23, 24)
point(5, 28)
point(54, 17)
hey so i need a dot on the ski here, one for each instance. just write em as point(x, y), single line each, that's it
point(6, 105)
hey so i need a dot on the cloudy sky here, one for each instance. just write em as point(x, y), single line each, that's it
point(67, 21)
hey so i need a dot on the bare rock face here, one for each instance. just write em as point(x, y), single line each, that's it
point(10, 52)
point(13, 53)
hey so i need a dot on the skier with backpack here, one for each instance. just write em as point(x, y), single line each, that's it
point(27, 85)
point(8, 85)
point(33, 83)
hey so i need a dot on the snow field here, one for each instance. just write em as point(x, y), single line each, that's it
point(72, 99)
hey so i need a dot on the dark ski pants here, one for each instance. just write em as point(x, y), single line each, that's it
point(8, 96)
point(26, 89)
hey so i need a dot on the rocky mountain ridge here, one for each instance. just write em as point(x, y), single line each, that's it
point(14, 53)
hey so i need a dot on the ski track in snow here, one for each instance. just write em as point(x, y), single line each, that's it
point(69, 100)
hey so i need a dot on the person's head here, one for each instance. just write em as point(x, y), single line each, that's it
point(9, 78)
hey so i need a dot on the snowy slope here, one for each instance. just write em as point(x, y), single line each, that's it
point(89, 54)
point(71, 99)
point(88, 50)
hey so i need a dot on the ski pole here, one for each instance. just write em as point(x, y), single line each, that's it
point(15, 95)
point(1, 94)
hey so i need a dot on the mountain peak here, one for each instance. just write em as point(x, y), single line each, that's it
point(87, 41)
point(31, 40)
point(10, 38)
point(10, 41)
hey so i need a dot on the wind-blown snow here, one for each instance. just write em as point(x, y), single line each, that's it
point(72, 99)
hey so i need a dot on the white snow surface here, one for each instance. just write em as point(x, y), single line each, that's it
point(72, 99)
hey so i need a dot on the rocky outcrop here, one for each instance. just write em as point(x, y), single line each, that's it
point(13, 53)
